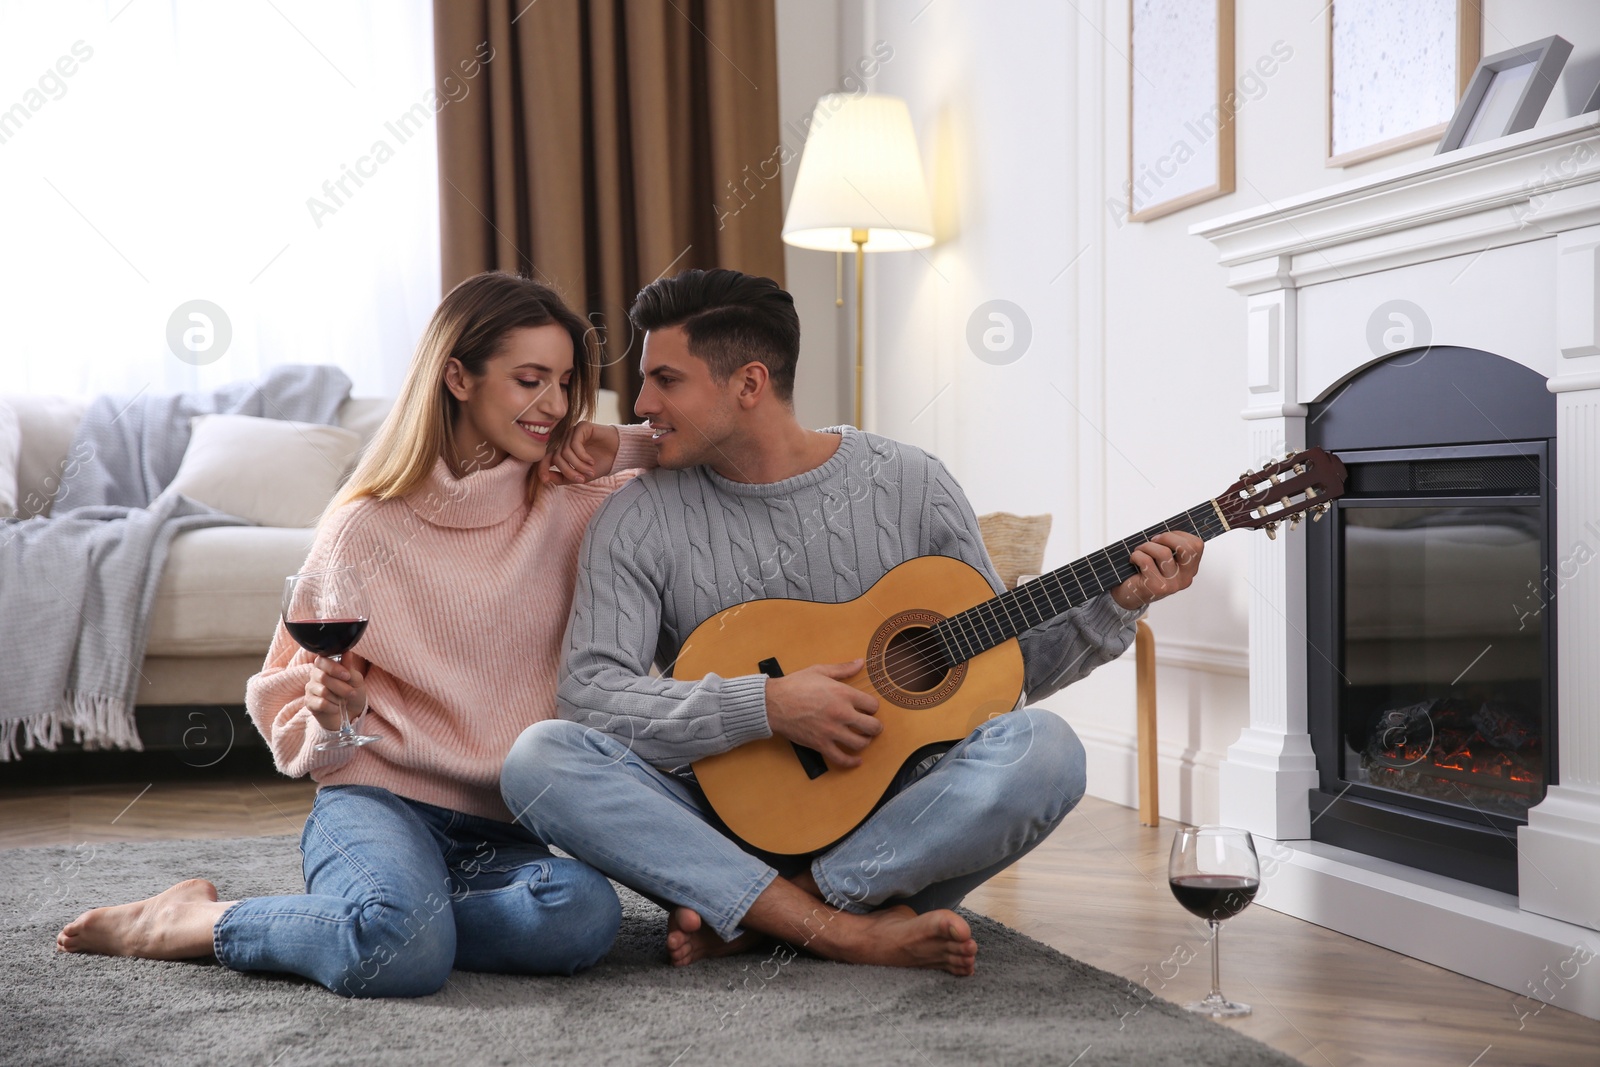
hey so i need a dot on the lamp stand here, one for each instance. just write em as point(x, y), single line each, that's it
point(859, 238)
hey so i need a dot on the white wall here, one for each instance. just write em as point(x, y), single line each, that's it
point(821, 45)
point(1124, 408)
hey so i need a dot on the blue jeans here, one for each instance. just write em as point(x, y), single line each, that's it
point(948, 826)
point(398, 892)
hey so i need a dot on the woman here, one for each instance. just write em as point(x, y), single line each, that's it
point(413, 865)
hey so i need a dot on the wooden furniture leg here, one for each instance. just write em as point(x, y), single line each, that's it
point(1145, 671)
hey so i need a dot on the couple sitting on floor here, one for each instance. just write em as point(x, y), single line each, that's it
point(522, 576)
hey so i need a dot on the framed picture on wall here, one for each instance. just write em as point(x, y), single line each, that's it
point(1180, 104)
point(1395, 72)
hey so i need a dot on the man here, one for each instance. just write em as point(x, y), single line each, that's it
point(746, 504)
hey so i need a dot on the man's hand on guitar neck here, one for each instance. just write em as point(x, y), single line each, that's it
point(1167, 564)
point(818, 709)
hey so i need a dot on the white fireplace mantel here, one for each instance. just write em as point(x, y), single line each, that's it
point(1495, 247)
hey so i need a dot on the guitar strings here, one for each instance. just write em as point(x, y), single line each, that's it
point(927, 652)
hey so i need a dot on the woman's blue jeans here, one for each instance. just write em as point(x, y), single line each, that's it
point(399, 892)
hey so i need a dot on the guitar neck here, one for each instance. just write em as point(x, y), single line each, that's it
point(980, 628)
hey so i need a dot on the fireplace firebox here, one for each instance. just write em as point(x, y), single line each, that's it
point(1431, 613)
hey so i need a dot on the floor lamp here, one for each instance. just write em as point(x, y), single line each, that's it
point(859, 188)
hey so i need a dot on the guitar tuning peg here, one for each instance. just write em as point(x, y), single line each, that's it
point(1316, 514)
point(1248, 476)
point(1294, 523)
point(1272, 531)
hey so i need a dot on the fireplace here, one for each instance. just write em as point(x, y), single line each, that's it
point(1429, 625)
point(1495, 249)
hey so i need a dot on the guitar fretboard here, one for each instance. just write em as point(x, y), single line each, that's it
point(1031, 604)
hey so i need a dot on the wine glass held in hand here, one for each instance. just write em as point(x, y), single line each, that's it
point(1214, 873)
point(326, 613)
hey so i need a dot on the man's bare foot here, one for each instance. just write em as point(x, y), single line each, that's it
point(899, 937)
point(172, 925)
point(893, 936)
point(690, 939)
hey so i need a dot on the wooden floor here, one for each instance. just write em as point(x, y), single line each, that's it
point(1096, 890)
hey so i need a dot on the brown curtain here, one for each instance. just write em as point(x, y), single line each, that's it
point(598, 144)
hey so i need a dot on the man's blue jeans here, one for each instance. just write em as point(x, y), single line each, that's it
point(947, 828)
point(398, 892)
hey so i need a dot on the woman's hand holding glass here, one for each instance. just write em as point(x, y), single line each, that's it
point(333, 687)
point(325, 612)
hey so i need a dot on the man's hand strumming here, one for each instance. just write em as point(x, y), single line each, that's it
point(818, 709)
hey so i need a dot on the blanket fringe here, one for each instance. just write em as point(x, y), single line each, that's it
point(97, 721)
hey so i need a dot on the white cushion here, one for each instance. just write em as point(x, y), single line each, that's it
point(364, 414)
point(10, 449)
point(270, 471)
point(222, 589)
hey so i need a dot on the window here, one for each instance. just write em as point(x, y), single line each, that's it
point(274, 159)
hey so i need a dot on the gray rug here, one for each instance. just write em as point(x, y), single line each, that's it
point(1028, 1004)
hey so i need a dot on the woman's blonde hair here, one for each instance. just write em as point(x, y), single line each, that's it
point(470, 324)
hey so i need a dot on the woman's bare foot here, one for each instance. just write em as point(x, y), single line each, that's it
point(172, 925)
point(690, 939)
point(899, 937)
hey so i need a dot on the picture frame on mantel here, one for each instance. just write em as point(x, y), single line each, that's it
point(1395, 73)
point(1507, 92)
point(1180, 105)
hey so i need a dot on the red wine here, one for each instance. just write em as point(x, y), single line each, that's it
point(326, 637)
point(1214, 896)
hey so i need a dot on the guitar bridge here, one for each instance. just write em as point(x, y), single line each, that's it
point(810, 759)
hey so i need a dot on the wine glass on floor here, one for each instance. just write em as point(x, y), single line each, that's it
point(326, 612)
point(1214, 873)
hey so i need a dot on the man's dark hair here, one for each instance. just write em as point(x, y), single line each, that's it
point(730, 319)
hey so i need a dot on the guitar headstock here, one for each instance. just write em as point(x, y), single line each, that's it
point(1300, 482)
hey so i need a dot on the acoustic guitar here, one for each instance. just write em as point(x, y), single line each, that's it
point(941, 655)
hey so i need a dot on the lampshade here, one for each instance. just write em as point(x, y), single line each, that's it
point(860, 171)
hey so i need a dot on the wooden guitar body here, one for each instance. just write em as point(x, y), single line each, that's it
point(763, 790)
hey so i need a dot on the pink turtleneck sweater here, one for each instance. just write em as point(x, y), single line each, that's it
point(468, 588)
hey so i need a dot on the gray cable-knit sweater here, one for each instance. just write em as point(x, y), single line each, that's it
point(673, 548)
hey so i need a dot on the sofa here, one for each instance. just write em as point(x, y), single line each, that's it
point(220, 591)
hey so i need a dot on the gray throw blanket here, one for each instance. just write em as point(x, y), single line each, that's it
point(78, 586)
point(128, 451)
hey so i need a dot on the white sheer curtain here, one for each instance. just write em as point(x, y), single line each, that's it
point(157, 152)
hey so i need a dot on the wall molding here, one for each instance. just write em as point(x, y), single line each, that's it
point(1167, 752)
point(1188, 777)
point(1203, 656)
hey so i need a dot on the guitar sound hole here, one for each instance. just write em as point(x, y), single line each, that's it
point(912, 661)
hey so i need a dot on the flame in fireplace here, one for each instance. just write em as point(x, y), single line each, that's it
point(1449, 763)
